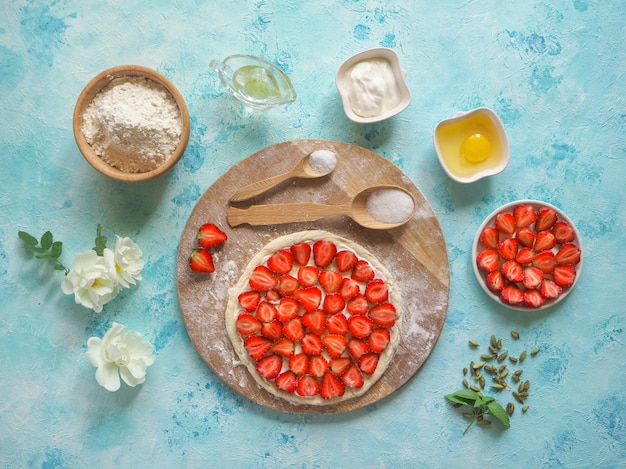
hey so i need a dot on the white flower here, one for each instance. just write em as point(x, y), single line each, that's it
point(128, 261)
point(90, 280)
point(119, 353)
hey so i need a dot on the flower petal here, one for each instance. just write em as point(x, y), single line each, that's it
point(108, 377)
point(131, 380)
point(95, 351)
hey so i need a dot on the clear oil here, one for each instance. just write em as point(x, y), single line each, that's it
point(255, 83)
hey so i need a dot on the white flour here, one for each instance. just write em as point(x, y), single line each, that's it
point(133, 124)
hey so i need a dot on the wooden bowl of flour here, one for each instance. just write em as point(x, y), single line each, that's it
point(131, 123)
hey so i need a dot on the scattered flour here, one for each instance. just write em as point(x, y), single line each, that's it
point(323, 161)
point(390, 205)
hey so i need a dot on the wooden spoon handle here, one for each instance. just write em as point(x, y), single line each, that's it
point(283, 213)
point(259, 187)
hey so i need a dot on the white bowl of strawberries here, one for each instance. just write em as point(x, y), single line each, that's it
point(527, 255)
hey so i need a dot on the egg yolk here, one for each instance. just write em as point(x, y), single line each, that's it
point(475, 148)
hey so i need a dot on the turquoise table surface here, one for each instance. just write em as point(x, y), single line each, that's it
point(553, 71)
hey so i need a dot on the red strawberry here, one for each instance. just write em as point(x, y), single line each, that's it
point(512, 271)
point(353, 377)
point(368, 363)
point(249, 300)
point(209, 235)
point(266, 312)
point(299, 364)
point(549, 289)
point(360, 326)
point(488, 260)
point(362, 271)
point(512, 295)
point(284, 348)
point(524, 215)
point(287, 381)
point(273, 296)
point(294, 330)
point(490, 237)
point(331, 387)
point(334, 303)
point(379, 339)
point(323, 252)
point(308, 386)
point(334, 344)
point(307, 275)
point(247, 324)
point(201, 260)
point(383, 315)
point(569, 254)
point(273, 330)
point(349, 288)
point(358, 305)
point(508, 248)
point(311, 344)
point(288, 308)
point(262, 279)
point(525, 237)
point(532, 277)
point(330, 280)
point(317, 366)
point(280, 262)
point(346, 260)
point(315, 321)
point(309, 298)
point(546, 218)
point(545, 261)
point(337, 324)
point(564, 275)
point(257, 346)
point(505, 223)
point(563, 232)
point(287, 285)
point(533, 299)
point(301, 253)
point(357, 348)
point(339, 365)
point(495, 281)
point(269, 367)
point(376, 291)
point(545, 240)
point(524, 256)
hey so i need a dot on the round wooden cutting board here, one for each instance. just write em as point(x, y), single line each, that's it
point(414, 253)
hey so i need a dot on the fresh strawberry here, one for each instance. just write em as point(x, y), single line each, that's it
point(330, 280)
point(280, 262)
point(339, 365)
point(257, 346)
point(569, 254)
point(533, 299)
point(512, 271)
point(269, 367)
point(543, 241)
point(545, 261)
point(287, 381)
point(287, 285)
point(283, 347)
point(201, 260)
point(505, 223)
point(488, 260)
point(247, 324)
point(307, 275)
point(353, 377)
point(524, 256)
point(362, 271)
point(273, 296)
point(376, 291)
point(266, 312)
point(249, 300)
point(315, 321)
point(358, 305)
point(379, 339)
point(549, 289)
point(349, 288)
point(294, 330)
point(311, 344)
point(546, 218)
point(262, 279)
point(495, 281)
point(525, 237)
point(337, 324)
point(357, 348)
point(334, 344)
point(563, 232)
point(383, 315)
point(490, 237)
point(512, 295)
point(288, 308)
point(308, 386)
point(209, 236)
point(331, 387)
point(368, 363)
point(334, 303)
point(324, 252)
point(346, 260)
point(309, 298)
point(318, 365)
point(360, 326)
point(564, 275)
point(299, 364)
point(273, 330)
point(508, 248)
point(301, 253)
point(524, 215)
point(532, 277)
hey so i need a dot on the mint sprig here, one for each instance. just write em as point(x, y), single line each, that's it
point(480, 405)
point(45, 248)
point(100, 242)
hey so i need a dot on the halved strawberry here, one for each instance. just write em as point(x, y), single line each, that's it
point(337, 324)
point(283, 347)
point(266, 312)
point(379, 339)
point(376, 291)
point(301, 253)
point(368, 363)
point(269, 367)
point(309, 297)
point(353, 377)
point(308, 386)
point(524, 256)
point(307, 275)
point(280, 262)
point(334, 303)
point(346, 260)
point(209, 235)
point(543, 241)
point(334, 344)
point(512, 295)
point(549, 289)
point(201, 260)
point(532, 277)
point(564, 275)
point(273, 330)
point(495, 281)
point(546, 217)
point(563, 232)
point(545, 261)
point(505, 223)
point(569, 254)
point(262, 279)
point(318, 365)
point(299, 364)
point(358, 305)
point(288, 308)
point(324, 252)
point(330, 280)
point(488, 260)
point(383, 315)
point(315, 321)
point(525, 237)
point(360, 326)
point(357, 348)
point(249, 300)
point(331, 387)
point(339, 365)
point(287, 285)
point(311, 344)
point(287, 381)
point(247, 324)
point(349, 288)
point(362, 271)
point(294, 330)
point(257, 346)
point(512, 271)
point(273, 296)
point(524, 215)
point(490, 237)
point(508, 248)
point(533, 299)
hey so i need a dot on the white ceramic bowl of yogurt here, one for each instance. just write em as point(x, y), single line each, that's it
point(372, 86)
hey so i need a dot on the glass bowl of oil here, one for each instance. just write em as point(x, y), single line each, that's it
point(254, 81)
point(472, 145)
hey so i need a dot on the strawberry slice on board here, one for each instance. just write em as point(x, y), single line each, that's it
point(209, 235)
point(334, 303)
point(318, 365)
point(301, 253)
point(247, 324)
point(269, 367)
point(283, 347)
point(331, 386)
point(262, 279)
point(311, 344)
point(257, 346)
point(287, 285)
point(324, 252)
point(568, 254)
point(524, 215)
point(360, 326)
point(307, 275)
point(488, 260)
point(337, 324)
point(249, 300)
point(379, 339)
point(358, 305)
point(315, 321)
point(294, 330)
point(362, 271)
point(299, 364)
point(272, 330)
point(376, 291)
point(281, 261)
point(345, 260)
point(368, 363)
point(309, 298)
point(330, 280)
point(288, 308)
point(546, 218)
point(383, 315)
point(266, 312)
point(287, 381)
point(334, 344)
point(357, 348)
point(349, 288)
point(353, 377)
point(200, 260)
point(308, 386)
point(339, 365)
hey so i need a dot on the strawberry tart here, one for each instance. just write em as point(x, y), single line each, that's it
point(315, 318)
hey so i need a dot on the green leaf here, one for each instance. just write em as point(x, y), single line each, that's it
point(101, 241)
point(44, 255)
point(29, 240)
point(46, 240)
point(463, 397)
point(59, 267)
point(498, 412)
point(56, 249)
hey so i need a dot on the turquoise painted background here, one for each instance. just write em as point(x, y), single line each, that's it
point(553, 71)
